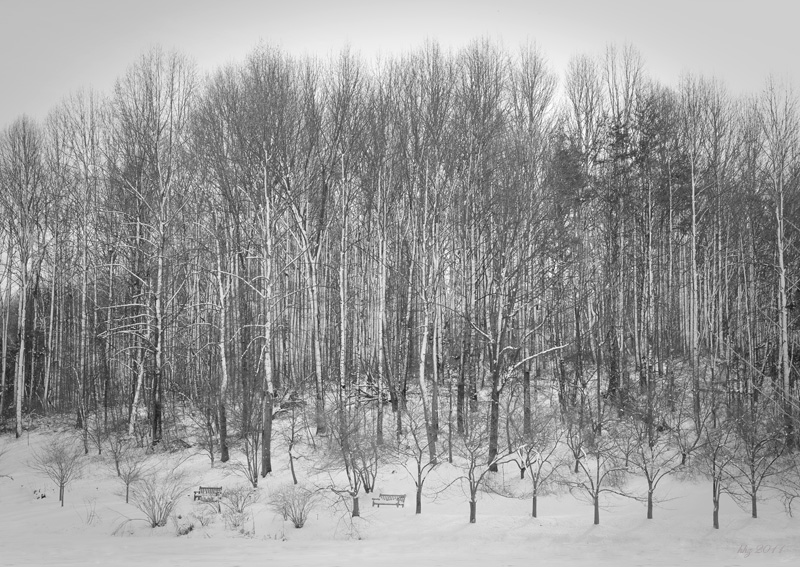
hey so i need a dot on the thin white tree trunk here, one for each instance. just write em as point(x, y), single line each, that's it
point(381, 316)
point(783, 319)
point(269, 385)
point(6, 316)
point(693, 323)
point(19, 376)
point(222, 294)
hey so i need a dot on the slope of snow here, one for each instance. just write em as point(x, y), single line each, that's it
point(37, 531)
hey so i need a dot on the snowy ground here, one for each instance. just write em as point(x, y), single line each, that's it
point(37, 531)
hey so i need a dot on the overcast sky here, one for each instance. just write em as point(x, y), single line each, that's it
point(49, 48)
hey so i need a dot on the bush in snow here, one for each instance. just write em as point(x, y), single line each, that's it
point(294, 503)
point(239, 498)
point(156, 496)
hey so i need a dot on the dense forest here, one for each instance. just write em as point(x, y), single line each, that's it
point(466, 241)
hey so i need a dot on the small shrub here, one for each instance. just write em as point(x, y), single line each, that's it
point(157, 495)
point(183, 526)
point(294, 503)
point(90, 516)
point(235, 520)
point(239, 498)
point(3, 450)
point(205, 517)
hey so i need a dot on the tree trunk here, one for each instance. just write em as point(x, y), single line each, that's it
point(19, 376)
point(783, 322)
point(435, 368)
point(49, 352)
point(596, 510)
point(83, 404)
point(381, 335)
point(268, 388)
point(715, 500)
point(4, 361)
point(494, 417)
point(462, 371)
point(266, 431)
point(158, 377)
point(291, 465)
point(472, 511)
point(137, 391)
point(319, 391)
point(242, 320)
point(423, 388)
point(223, 357)
point(693, 307)
point(526, 405)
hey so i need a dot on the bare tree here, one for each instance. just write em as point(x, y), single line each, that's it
point(649, 448)
point(131, 470)
point(293, 436)
point(537, 451)
point(413, 453)
point(716, 456)
point(471, 455)
point(761, 443)
point(356, 450)
point(600, 468)
point(61, 462)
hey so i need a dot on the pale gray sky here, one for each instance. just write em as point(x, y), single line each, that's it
point(49, 48)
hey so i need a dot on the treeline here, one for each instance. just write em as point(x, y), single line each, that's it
point(450, 227)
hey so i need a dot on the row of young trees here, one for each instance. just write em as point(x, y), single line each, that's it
point(452, 228)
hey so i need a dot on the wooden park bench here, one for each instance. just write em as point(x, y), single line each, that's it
point(208, 493)
point(390, 500)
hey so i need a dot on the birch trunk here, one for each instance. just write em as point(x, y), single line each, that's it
point(222, 295)
point(269, 383)
point(693, 306)
point(19, 375)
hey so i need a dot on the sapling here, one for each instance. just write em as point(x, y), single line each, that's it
point(471, 453)
point(60, 461)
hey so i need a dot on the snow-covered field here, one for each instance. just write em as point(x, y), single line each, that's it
point(93, 527)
